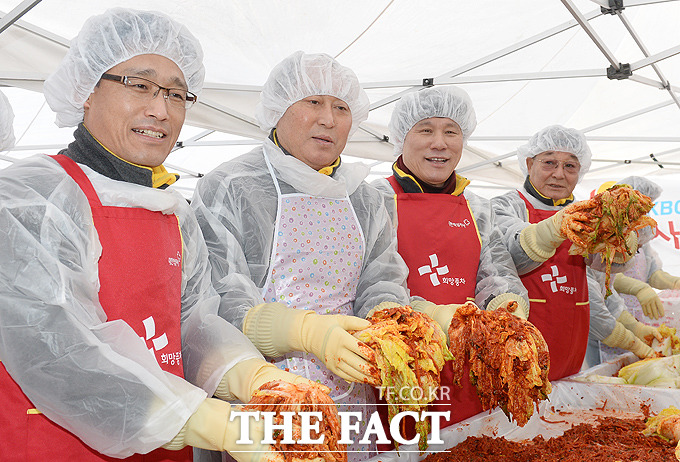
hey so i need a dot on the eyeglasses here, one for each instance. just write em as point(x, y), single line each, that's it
point(569, 166)
point(147, 90)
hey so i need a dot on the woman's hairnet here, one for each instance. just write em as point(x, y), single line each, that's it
point(450, 102)
point(301, 75)
point(6, 119)
point(109, 39)
point(645, 186)
point(556, 138)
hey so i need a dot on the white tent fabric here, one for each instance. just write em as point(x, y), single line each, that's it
point(526, 64)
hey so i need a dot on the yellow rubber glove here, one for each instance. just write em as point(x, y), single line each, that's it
point(210, 428)
point(383, 306)
point(540, 240)
point(503, 300)
point(662, 280)
point(632, 243)
point(623, 338)
point(242, 380)
point(276, 330)
point(441, 314)
point(648, 298)
point(640, 330)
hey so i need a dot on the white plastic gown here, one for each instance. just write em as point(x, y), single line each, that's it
point(92, 377)
point(604, 325)
point(496, 273)
point(512, 217)
point(613, 303)
point(653, 262)
point(236, 207)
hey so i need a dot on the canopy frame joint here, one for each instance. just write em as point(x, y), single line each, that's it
point(615, 7)
point(622, 73)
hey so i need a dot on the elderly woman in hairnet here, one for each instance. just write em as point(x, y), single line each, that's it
point(110, 339)
point(302, 248)
point(459, 255)
point(554, 161)
point(637, 283)
point(631, 296)
point(6, 120)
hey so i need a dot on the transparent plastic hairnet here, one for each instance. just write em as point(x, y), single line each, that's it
point(645, 186)
point(109, 39)
point(6, 119)
point(556, 138)
point(301, 75)
point(450, 102)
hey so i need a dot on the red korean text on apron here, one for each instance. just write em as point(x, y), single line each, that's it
point(140, 275)
point(559, 308)
point(436, 233)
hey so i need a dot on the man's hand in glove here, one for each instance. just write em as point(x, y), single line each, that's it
point(648, 298)
point(441, 314)
point(640, 330)
point(503, 300)
point(327, 337)
point(213, 427)
point(382, 306)
point(623, 338)
point(540, 240)
point(276, 330)
point(242, 380)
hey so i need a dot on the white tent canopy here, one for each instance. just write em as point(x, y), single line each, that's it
point(526, 64)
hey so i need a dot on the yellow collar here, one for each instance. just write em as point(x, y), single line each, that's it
point(329, 170)
point(548, 200)
point(159, 175)
point(461, 181)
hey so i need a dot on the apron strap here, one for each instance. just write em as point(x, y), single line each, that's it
point(395, 184)
point(271, 171)
point(80, 178)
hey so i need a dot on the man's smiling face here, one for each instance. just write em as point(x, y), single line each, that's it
point(550, 174)
point(432, 149)
point(139, 131)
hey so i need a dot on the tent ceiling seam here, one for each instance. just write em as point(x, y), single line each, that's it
point(365, 30)
point(28, 27)
point(517, 46)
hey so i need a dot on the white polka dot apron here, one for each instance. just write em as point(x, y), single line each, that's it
point(316, 259)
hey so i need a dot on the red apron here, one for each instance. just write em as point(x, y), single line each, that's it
point(140, 275)
point(435, 233)
point(559, 307)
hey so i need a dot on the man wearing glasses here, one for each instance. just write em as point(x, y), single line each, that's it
point(565, 305)
point(110, 342)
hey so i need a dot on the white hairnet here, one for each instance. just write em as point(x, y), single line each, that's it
point(645, 186)
point(450, 102)
point(6, 119)
point(556, 138)
point(109, 39)
point(301, 75)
